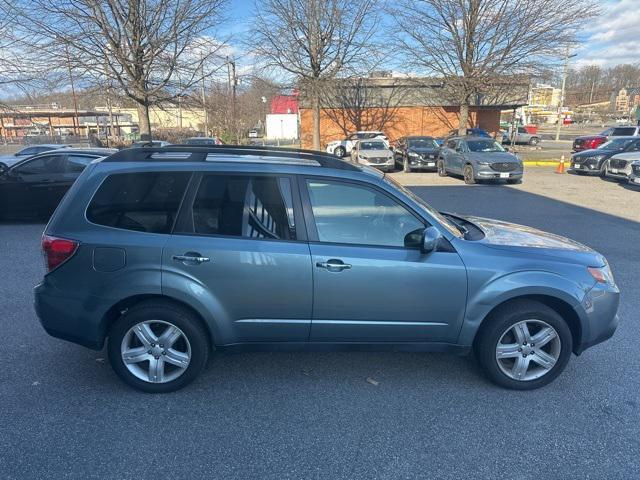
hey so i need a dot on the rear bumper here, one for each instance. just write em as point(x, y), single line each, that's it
point(71, 319)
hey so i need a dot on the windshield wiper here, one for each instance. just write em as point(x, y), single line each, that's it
point(463, 230)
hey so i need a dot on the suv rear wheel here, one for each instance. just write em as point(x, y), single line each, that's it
point(525, 345)
point(340, 152)
point(469, 176)
point(157, 347)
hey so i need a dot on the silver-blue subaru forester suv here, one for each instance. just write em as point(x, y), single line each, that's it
point(171, 253)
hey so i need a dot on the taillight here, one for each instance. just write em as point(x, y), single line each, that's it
point(57, 251)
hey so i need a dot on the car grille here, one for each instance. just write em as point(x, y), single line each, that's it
point(377, 159)
point(617, 163)
point(577, 159)
point(504, 166)
point(636, 169)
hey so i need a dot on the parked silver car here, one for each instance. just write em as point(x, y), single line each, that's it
point(374, 153)
point(479, 158)
point(522, 137)
point(618, 167)
point(634, 178)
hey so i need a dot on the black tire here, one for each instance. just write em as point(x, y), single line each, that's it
point(500, 321)
point(340, 152)
point(469, 175)
point(442, 171)
point(165, 311)
point(406, 168)
point(533, 141)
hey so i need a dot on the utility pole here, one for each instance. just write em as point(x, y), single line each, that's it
point(565, 71)
point(73, 92)
point(204, 101)
point(233, 83)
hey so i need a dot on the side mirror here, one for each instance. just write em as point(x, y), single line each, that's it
point(430, 240)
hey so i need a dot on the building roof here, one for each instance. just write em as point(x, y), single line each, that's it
point(281, 104)
point(396, 92)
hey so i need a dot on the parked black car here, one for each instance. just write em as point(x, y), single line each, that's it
point(35, 186)
point(416, 153)
point(592, 162)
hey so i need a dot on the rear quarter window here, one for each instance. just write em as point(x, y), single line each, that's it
point(143, 202)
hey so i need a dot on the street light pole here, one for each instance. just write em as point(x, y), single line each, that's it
point(565, 71)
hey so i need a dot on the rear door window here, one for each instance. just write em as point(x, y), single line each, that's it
point(623, 131)
point(77, 163)
point(243, 206)
point(45, 165)
point(144, 202)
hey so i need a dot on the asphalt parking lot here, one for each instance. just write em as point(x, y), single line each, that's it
point(64, 414)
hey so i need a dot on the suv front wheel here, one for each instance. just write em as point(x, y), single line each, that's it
point(157, 347)
point(525, 345)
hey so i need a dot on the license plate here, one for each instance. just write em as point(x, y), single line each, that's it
point(504, 175)
point(577, 166)
point(431, 164)
point(637, 180)
point(614, 170)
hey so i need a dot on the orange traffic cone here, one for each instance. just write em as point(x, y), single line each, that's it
point(560, 168)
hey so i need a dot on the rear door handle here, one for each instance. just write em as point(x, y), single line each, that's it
point(191, 258)
point(333, 265)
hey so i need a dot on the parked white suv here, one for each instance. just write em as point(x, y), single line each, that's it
point(342, 148)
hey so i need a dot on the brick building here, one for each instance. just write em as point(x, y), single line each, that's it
point(402, 106)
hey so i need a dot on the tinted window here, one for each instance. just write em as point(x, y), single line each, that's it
point(145, 202)
point(244, 206)
point(451, 144)
point(28, 151)
point(484, 146)
point(41, 166)
point(348, 213)
point(622, 131)
point(371, 145)
point(422, 143)
point(77, 163)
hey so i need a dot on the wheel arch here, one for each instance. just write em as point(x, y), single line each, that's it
point(560, 306)
point(119, 308)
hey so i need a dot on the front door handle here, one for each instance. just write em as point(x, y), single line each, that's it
point(333, 265)
point(191, 258)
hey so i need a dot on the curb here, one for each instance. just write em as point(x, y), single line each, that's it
point(542, 163)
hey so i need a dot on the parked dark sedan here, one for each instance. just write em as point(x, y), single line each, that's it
point(416, 153)
point(593, 161)
point(26, 152)
point(35, 186)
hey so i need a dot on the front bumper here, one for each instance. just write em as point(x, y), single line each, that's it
point(487, 173)
point(420, 163)
point(634, 180)
point(598, 313)
point(385, 167)
point(590, 167)
point(617, 176)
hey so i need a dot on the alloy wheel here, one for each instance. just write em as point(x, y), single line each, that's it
point(528, 350)
point(156, 351)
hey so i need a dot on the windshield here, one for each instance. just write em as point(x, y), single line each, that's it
point(422, 143)
point(372, 146)
point(616, 144)
point(450, 226)
point(484, 146)
point(622, 131)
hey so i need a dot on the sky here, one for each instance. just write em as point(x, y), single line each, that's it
point(608, 39)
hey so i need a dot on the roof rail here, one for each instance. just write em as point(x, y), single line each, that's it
point(203, 153)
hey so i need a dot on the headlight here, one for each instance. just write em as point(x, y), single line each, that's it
point(414, 155)
point(483, 163)
point(602, 274)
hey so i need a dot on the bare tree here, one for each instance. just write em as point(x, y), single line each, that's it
point(359, 104)
point(314, 41)
point(152, 50)
point(472, 44)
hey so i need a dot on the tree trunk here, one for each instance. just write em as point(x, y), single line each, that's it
point(464, 117)
point(144, 122)
point(315, 107)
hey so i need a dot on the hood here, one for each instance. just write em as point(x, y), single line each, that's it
point(423, 150)
point(628, 156)
point(10, 160)
point(499, 234)
point(593, 152)
point(493, 157)
point(375, 153)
